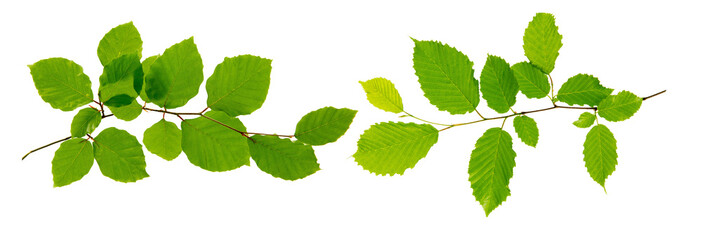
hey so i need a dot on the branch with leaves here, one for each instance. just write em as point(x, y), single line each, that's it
point(213, 140)
point(446, 76)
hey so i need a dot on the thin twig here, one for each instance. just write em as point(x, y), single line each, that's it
point(47, 145)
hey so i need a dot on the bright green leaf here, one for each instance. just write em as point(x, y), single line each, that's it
point(121, 81)
point(61, 83)
point(239, 85)
point(583, 89)
point(600, 153)
point(145, 67)
point(175, 77)
point(446, 77)
point(585, 120)
point(542, 42)
point(383, 95)
point(619, 107)
point(121, 40)
point(393, 147)
point(212, 146)
point(498, 85)
point(324, 125)
point(72, 161)
point(127, 113)
point(490, 168)
point(163, 139)
point(527, 130)
point(532, 82)
point(85, 121)
point(283, 158)
point(119, 155)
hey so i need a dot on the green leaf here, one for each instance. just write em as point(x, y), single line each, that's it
point(85, 121)
point(498, 85)
point(600, 153)
point(127, 113)
point(146, 66)
point(163, 139)
point(446, 77)
point(239, 85)
point(324, 125)
point(527, 130)
point(542, 42)
point(121, 40)
point(212, 146)
point(175, 77)
point(583, 89)
point(585, 120)
point(72, 161)
point(121, 81)
point(383, 95)
point(619, 107)
point(490, 168)
point(119, 155)
point(393, 147)
point(283, 158)
point(532, 82)
point(61, 83)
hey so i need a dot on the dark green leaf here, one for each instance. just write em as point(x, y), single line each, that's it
point(583, 89)
point(542, 42)
point(527, 130)
point(163, 139)
point(619, 107)
point(324, 125)
point(239, 85)
point(61, 83)
point(121, 40)
point(119, 155)
point(585, 120)
point(72, 161)
point(212, 146)
point(600, 153)
point(121, 81)
point(490, 168)
point(283, 158)
point(532, 82)
point(498, 85)
point(383, 95)
point(85, 121)
point(175, 77)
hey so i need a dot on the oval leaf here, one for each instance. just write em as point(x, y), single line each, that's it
point(490, 168)
point(239, 85)
point(119, 155)
point(532, 82)
point(85, 121)
point(128, 112)
point(212, 146)
point(542, 42)
point(498, 85)
point(600, 153)
point(146, 67)
point(61, 83)
point(121, 40)
point(585, 120)
point(121, 81)
point(175, 77)
point(526, 129)
point(583, 89)
point(383, 95)
point(619, 107)
point(283, 158)
point(72, 161)
point(163, 139)
point(324, 125)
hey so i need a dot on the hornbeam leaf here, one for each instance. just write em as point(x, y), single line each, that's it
point(163, 139)
point(542, 42)
point(383, 95)
point(212, 146)
point(600, 153)
point(61, 83)
point(283, 158)
point(175, 77)
point(393, 147)
point(119, 155)
point(446, 77)
point(121, 40)
point(585, 120)
point(72, 161)
point(121, 81)
point(619, 107)
point(498, 85)
point(85, 121)
point(583, 89)
point(324, 125)
point(146, 67)
point(490, 168)
point(239, 85)
point(128, 112)
point(527, 130)
point(532, 82)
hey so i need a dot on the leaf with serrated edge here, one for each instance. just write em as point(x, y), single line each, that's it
point(393, 147)
point(542, 42)
point(498, 85)
point(532, 82)
point(121, 81)
point(212, 146)
point(121, 40)
point(72, 161)
point(61, 83)
point(383, 95)
point(490, 168)
point(119, 155)
point(583, 89)
point(239, 85)
point(283, 158)
point(324, 125)
point(175, 77)
point(85, 122)
point(619, 107)
point(600, 153)
point(163, 139)
point(446, 77)
point(585, 120)
point(526, 129)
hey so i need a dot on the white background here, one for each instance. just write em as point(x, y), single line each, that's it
point(320, 51)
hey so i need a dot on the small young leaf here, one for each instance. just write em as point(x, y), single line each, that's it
point(324, 125)
point(121, 81)
point(542, 42)
point(72, 161)
point(85, 121)
point(585, 120)
point(446, 77)
point(61, 83)
point(383, 95)
point(212, 146)
point(145, 67)
point(283, 158)
point(532, 82)
point(393, 147)
point(498, 85)
point(128, 112)
point(583, 89)
point(490, 168)
point(119, 155)
point(163, 139)
point(239, 85)
point(619, 107)
point(121, 40)
point(527, 130)
point(600, 153)
point(175, 77)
